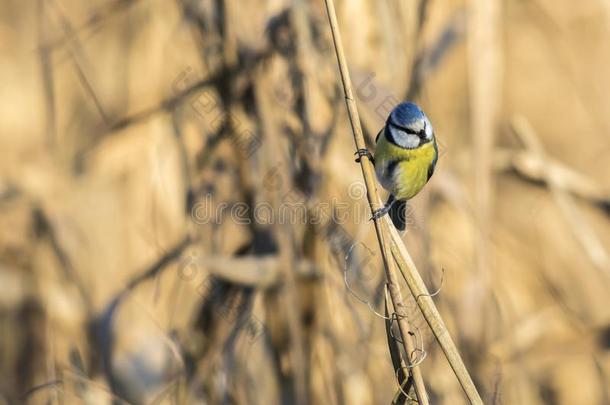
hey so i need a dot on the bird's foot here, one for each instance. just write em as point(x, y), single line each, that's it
point(381, 212)
point(364, 152)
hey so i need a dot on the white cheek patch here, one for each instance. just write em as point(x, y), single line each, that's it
point(407, 141)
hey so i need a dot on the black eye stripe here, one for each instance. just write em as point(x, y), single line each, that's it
point(407, 130)
point(421, 133)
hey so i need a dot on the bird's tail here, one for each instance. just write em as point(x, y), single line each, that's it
point(398, 212)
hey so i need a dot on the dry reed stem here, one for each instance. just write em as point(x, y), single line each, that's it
point(431, 315)
point(399, 251)
point(374, 202)
point(398, 361)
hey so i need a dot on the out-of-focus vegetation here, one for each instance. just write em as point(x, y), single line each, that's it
point(150, 149)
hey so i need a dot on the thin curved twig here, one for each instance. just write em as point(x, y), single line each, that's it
point(353, 293)
point(438, 290)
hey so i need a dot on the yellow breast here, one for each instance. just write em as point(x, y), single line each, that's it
point(403, 172)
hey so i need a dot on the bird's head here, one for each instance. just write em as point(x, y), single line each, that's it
point(408, 127)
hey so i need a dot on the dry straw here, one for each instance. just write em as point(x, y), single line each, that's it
point(385, 232)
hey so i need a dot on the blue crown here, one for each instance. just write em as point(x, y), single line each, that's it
point(405, 114)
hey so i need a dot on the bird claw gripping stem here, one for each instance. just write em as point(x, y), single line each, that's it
point(364, 152)
point(380, 212)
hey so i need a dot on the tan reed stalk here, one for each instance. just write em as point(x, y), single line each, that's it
point(369, 178)
point(432, 316)
point(397, 249)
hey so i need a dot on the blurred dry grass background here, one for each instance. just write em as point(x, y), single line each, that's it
point(124, 123)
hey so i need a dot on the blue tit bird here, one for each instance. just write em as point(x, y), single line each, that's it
point(405, 158)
